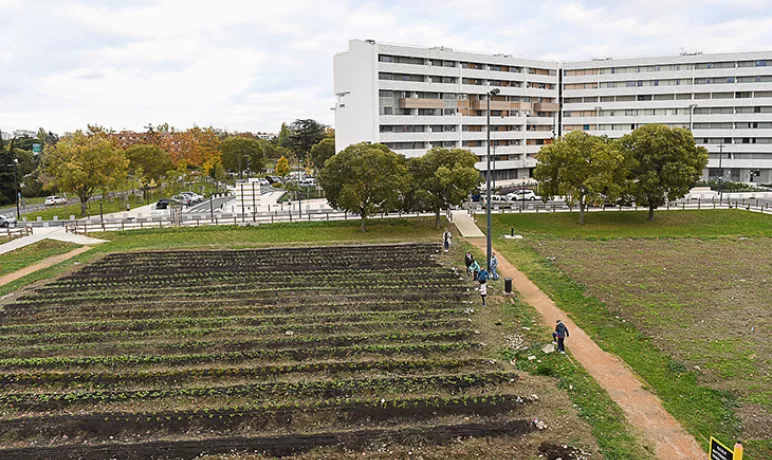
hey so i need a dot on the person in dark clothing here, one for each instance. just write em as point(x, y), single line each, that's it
point(560, 334)
point(482, 277)
point(468, 259)
point(446, 239)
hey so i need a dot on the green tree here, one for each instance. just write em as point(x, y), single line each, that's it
point(364, 179)
point(148, 164)
point(321, 151)
point(235, 151)
point(580, 165)
point(445, 178)
point(304, 135)
point(663, 164)
point(284, 136)
point(82, 164)
point(282, 166)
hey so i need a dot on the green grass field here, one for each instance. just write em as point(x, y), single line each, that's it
point(28, 255)
point(662, 305)
point(632, 224)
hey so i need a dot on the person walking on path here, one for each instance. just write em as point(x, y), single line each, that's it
point(560, 334)
point(446, 237)
point(483, 292)
point(475, 269)
point(494, 266)
point(468, 259)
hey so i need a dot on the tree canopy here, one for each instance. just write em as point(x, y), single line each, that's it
point(282, 166)
point(663, 164)
point(364, 179)
point(235, 149)
point(444, 178)
point(81, 164)
point(148, 163)
point(322, 151)
point(304, 134)
point(583, 166)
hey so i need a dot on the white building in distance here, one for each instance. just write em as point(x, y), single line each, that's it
point(413, 98)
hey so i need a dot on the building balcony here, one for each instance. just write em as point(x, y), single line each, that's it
point(418, 103)
point(546, 107)
point(495, 105)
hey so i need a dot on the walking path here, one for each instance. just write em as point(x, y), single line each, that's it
point(53, 233)
point(466, 225)
point(45, 263)
point(643, 410)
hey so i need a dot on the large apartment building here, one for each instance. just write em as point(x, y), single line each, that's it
point(413, 98)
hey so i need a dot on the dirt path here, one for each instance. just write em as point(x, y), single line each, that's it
point(643, 410)
point(45, 263)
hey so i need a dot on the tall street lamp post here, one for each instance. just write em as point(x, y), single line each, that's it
point(489, 254)
point(16, 186)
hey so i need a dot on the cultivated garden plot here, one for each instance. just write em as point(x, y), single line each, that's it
point(278, 351)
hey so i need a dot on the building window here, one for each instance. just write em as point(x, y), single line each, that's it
point(761, 63)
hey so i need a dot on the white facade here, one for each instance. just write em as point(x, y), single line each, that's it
point(413, 99)
point(726, 99)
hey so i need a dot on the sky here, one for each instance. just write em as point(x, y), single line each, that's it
point(250, 65)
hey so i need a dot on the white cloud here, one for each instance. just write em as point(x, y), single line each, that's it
point(249, 65)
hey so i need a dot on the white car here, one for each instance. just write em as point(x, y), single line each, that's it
point(54, 200)
point(7, 221)
point(495, 199)
point(308, 182)
point(194, 197)
point(519, 195)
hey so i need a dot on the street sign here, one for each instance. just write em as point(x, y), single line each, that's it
point(37, 148)
point(719, 451)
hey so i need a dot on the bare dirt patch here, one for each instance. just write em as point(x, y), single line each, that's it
point(706, 302)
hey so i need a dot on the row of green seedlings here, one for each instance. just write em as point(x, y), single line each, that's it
point(233, 331)
point(312, 388)
point(65, 316)
point(230, 344)
point(181, 321)
point(260, 415)
point(322, 274)
point(110, 379)
point(231, 357)
point(283, 256)
point(379, 282)
point(350, 290)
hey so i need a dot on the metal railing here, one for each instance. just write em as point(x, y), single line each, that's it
point(748, 204)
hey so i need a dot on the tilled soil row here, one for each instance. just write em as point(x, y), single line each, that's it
point(279, 446)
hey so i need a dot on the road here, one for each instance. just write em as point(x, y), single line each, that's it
point(204, 205)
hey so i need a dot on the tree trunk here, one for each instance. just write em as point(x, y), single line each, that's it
point(651, 213)
point(437, 218)
point(581, 210)
point(83, 207)
point(364, 222)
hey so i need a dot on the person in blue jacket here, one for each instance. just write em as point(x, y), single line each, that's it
point(560, 334)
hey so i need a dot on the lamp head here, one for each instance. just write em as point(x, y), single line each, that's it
point(495, 91)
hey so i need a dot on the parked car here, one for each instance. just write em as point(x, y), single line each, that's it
point(274, 180)
point(183, 199)
point(308, 182)
point(496, 199)
point(519, 195)
point(54, 200)
point(194, 197)
point(264, 182)
point(164, 203)
point(7, 221)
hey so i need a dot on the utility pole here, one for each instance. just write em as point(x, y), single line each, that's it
point(489, 206)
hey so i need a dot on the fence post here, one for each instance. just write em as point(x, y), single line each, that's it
point(699, 200)
point(345, 215)
point(328, 216)
point(668, 206)
point(683, 206)
point(714, 202)
point(123, 224)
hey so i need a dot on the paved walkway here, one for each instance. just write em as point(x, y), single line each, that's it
point(643, 410)
point(465, 224)
point(53, 233)
point(45, 263)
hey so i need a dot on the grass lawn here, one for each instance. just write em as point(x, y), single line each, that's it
point(28, 255)
point(665, 306)
point(632, 224)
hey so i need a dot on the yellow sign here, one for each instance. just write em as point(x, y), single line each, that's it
point(719, 451)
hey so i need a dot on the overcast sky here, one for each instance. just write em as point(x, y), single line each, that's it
point(249, 65)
